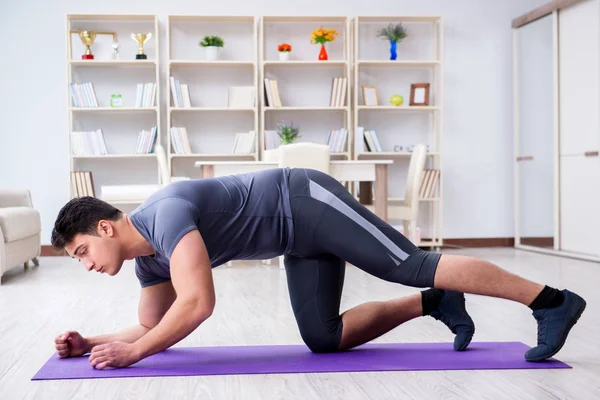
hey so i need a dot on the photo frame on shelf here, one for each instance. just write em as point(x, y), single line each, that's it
point(419, 94)
point(370, 95)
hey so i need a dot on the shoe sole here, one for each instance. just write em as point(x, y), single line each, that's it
point(545, 357)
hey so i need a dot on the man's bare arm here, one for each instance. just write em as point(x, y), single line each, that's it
point(155, 300)
point(191, 275)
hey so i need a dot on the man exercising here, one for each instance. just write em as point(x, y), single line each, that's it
point(189, 227)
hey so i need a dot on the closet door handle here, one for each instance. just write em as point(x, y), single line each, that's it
point(591, 153)
point(525, 158)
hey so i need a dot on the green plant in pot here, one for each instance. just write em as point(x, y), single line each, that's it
point(393, 33)
point(288, 133)
point(212, 44)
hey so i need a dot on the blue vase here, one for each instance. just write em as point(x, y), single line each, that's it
point(393, 53)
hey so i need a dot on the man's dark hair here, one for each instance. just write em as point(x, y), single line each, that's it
point(81, 215)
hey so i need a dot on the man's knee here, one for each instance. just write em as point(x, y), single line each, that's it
point(418, 270)
point(327, 343)
point(322, 339)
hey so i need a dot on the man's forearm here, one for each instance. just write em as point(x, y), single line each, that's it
point(181, 320)
point(129, 335)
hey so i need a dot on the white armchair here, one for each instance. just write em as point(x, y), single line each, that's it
point(20, 230)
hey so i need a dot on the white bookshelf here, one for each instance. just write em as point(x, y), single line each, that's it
point(419, 60)
point(108, 75)
point(210, 122)
point(248, 57)
point(304, 82)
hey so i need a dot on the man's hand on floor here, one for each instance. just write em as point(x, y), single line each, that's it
point(115, 354)
point(70, 344)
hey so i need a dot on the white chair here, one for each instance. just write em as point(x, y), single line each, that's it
point(408, 211)
point(304, 155)
point(20, 230)
point(138, 193)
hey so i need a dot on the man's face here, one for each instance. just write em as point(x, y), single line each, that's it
point(99, 253)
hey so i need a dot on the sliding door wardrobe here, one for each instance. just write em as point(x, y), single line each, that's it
point(557, 129)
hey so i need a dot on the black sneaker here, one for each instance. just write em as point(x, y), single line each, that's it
point(554, 325)
point(453, 313)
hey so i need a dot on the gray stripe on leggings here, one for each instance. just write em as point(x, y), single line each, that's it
point(318, 192)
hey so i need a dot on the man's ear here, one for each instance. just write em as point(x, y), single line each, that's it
point(105, 228)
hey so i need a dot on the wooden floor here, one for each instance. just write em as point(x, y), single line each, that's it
point(253, 309)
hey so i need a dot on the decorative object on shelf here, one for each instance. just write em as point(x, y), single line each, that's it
point(409, 148)
point(284, 50)
point(322, 36)
point(87, 37)
point(370, 95)
point(242, 97)
point(287, 133)
point(419, 94)
point(116, 100)
point(212, 44)
point(394, 34)
point(115, 53)
point(141, 39)
point(396, 100)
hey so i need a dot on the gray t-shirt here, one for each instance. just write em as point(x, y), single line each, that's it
point(243, 217)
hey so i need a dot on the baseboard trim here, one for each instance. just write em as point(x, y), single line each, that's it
point(478, 242)
point(48, 251)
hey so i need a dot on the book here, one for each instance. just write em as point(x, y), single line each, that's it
point(82, 184)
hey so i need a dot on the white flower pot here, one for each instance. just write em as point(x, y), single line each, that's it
point(284, 55)
point(212, 53)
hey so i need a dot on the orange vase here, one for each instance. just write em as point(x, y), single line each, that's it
point(323, 53)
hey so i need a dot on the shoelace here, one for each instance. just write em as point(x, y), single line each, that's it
point(542, 327)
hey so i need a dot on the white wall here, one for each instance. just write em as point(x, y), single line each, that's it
point(478, 96)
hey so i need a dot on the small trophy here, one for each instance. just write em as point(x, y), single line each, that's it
point(141, 39)
point(115, 54)
point(87, 37)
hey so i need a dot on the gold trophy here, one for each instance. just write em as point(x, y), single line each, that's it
point(87, 37)
point(141, 39)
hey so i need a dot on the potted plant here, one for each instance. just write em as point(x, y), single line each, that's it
point(211, 45)
point(322, 36)
point(393, 33)
point(287, 133)
point(284, 50)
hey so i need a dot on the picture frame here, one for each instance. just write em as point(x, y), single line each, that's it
point(419, 94)
point(370, 95)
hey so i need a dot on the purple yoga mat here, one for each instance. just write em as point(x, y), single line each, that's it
point(236, 360)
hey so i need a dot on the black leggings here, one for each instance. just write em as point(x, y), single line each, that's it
point(331, 228)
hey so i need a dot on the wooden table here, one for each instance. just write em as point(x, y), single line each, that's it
point(353, 170)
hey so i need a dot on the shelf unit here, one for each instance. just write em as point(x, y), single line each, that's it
point(304, 81)
point(419, 60)
point(250, 56)
point(210, 122)
point(110, 75)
